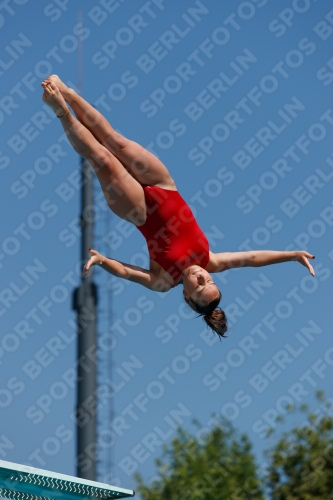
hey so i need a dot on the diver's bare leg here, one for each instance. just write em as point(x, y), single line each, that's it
point(123, 193)
point(144, 166)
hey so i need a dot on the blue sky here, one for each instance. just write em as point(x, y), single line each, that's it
point(236, 100)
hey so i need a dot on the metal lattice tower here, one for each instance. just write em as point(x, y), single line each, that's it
point(94, 323)
point(85, 303)
point(94, 352)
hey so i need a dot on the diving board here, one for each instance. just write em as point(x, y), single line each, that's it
point(21, 482)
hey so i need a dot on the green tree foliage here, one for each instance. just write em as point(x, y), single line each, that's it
point(215, 464)
point(301, 463)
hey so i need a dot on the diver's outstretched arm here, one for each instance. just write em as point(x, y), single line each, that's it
point(144, 277)
point(257, 258)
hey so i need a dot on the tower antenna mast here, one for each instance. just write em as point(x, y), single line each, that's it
point(85, 303)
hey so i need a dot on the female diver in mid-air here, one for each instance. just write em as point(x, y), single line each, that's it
point(139, 188)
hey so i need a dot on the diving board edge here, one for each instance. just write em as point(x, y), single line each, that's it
point(48, 481)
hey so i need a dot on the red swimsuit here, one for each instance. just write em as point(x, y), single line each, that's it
point(174, 239)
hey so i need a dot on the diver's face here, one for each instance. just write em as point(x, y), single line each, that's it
point(199, 286)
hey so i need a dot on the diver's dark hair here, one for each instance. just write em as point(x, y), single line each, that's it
point(213, 315)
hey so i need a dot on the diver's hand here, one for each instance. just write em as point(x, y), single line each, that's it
point(303, 258)
point(96, 258)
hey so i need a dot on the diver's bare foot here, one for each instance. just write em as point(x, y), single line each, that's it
point(53, 98)
point(64, 90)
